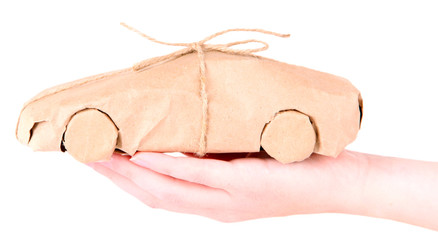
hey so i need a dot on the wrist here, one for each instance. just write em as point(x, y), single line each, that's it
point(345, 183)
point(392, 188)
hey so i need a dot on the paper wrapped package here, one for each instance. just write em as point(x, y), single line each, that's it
point(202, 99)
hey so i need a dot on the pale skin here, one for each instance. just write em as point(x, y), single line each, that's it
point(235, 187)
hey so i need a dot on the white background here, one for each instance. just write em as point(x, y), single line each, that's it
point(387, 49)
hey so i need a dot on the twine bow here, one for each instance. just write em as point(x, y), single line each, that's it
point(200, 48)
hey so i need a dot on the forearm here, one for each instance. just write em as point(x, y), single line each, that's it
point(399, 189)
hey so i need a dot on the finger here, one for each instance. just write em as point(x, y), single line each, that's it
point(173, 192)
point(126, 185)
point(209, 172)
point(147, 198)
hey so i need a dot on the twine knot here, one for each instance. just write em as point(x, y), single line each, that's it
point(200, 48)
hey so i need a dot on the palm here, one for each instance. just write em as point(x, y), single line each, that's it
point(230, 187)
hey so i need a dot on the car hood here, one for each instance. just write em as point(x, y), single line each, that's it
point(135, 101)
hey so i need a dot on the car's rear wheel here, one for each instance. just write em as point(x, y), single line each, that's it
point(90, 136)
point(289, 137)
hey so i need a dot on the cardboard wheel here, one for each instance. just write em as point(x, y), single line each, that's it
point(90, 136)
point(289, 137)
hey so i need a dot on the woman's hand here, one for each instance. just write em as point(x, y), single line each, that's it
point(232, 187)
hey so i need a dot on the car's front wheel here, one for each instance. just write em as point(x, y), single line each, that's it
point(90, 136)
